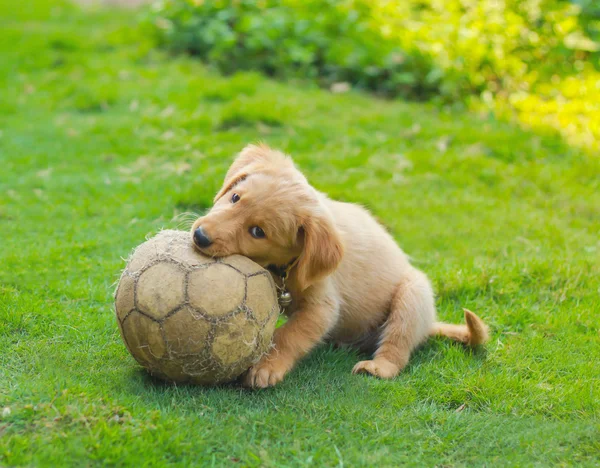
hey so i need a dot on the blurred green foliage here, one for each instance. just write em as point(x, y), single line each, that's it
point(590, 16)
point(531, 58)
point(327, 40)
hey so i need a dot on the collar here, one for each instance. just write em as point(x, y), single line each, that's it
point(283, 270)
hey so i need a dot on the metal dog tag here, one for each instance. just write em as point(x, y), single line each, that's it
point(285, 298)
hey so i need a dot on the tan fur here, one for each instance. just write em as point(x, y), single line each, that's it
point(351, 284)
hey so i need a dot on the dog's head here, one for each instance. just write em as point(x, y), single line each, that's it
point(267, 211)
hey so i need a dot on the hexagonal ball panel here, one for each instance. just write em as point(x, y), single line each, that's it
point(186, 332)
point(146, 253)
point(160, 289)
point(125, 296)
point(143, 338)
point(216, 289)
point(235, 340)
point(260, 296)
point(201, 370)
point(243, 264)
point(182, 250)
point(265, 337)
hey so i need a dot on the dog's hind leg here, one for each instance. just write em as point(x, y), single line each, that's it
point(411, 317)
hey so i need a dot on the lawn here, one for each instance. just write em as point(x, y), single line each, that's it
point(104, 140)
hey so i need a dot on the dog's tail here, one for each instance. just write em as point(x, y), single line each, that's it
point(474, 333)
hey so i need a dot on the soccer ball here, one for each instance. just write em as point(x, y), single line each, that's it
point(189, 318)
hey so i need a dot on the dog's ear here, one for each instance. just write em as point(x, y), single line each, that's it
point(249, 158)
point(322, 252)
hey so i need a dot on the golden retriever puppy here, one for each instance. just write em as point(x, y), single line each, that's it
point(348, 280)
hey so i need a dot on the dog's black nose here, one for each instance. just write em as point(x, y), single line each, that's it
point(201, 239)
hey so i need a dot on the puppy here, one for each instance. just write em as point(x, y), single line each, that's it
point(349, 282)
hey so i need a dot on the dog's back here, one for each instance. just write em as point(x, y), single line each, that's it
point(368, 274)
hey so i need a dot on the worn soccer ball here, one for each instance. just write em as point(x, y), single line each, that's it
point(189, 318)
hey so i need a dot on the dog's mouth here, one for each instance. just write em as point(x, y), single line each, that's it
point(208, 251)
point(212, 251)
point(200, 249)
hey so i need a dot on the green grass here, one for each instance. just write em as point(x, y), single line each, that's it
point(104, 140)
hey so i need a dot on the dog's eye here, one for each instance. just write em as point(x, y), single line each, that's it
point(257, 232)
point(235, 198)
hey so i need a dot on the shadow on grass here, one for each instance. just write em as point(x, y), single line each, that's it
point(434, 350)
point(325, 374)
point(324, 365)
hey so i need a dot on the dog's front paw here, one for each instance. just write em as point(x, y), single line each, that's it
point(381, 368)
point(266, 373)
